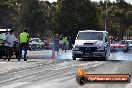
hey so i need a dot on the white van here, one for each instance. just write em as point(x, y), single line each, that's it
point(91, 43)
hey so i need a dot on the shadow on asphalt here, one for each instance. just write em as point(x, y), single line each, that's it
point(96, 59)
point(90, 59)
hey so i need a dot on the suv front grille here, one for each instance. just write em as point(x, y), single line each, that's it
point(88, 49)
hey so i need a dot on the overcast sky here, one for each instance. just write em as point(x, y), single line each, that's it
point(129, 1)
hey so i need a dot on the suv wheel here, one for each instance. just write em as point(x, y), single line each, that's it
point(104, 58)
point(74, 58)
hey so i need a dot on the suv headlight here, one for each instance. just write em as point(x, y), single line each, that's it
point(100, 48)
point(75, 48)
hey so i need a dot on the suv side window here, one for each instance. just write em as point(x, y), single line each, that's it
point(106, 37)
point(106, 40)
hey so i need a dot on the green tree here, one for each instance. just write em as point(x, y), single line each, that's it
point(8, 14)
point(33, 15)
point(75, 15)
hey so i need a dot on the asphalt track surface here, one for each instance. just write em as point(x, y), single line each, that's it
point(68, 55)
point(60, 72)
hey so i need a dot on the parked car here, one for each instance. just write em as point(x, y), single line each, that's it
point(35, 43)
point(118, 45)
point(129, 45)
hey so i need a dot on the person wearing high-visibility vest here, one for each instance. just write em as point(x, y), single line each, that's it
point(23, 44)
point(64, 43)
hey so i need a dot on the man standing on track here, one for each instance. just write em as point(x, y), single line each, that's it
point(9, 43)
point(23, 44)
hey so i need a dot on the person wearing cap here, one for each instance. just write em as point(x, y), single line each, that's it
point(9, 43)
point(23, 44)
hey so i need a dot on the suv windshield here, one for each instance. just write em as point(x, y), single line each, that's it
point(90, 36)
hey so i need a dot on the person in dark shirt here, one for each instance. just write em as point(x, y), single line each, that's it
point(56, 43)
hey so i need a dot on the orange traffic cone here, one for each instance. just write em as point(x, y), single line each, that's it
point(53, 56)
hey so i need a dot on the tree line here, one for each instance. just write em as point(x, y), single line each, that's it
point(66, 17)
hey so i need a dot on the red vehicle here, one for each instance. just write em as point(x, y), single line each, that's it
point(118, 46)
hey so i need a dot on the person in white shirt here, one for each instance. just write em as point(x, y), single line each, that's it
point(9, 43)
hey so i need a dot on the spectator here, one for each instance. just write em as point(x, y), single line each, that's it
point(64, 45)
point(70, 42)
point(23, 40)
point(9, 43)
point(56, 43)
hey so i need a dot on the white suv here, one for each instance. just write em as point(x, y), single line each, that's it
point(91, 43)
